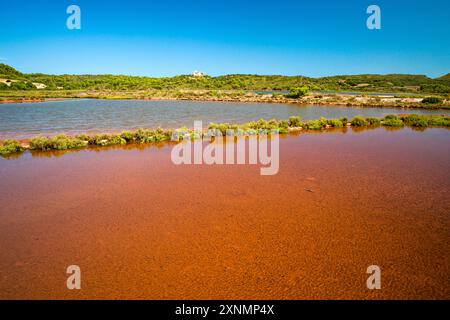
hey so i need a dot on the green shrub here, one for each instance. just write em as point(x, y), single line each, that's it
point(335, 123)
point(63, 142)
point(115, 139)
point(106, 140)
point(432, 100)
point(59, 142)
point(295, 121)
point(297, 92)
point(168, 134)
point(97, 139)
point(393, 122)
point(268, 125)
point(161, 135)
point(262, 124)
point(421, 123)
point(143, 136)
point(10, 146)
point(178, 134)
point(415, 120)
point(315, 124)
point(82, 136)
point(373, 121)
point(40, 143)
point(272, 123)
point(284, 124)
point(359, 121)
point(222, 127)
point(127, 136)
point(391, 117)
point(439, 121)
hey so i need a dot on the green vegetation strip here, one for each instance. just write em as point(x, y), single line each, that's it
point(19, 81)
point(63, 142)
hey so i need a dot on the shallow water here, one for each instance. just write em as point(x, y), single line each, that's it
point(24, 120)
point(141, 227)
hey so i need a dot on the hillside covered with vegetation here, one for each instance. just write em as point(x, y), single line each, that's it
point(362, 83)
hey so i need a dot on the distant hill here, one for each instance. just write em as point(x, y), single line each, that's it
point(9, 72)
point(445, 78)
point(361, 83)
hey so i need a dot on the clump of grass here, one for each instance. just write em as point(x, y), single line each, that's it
point(114, 140)
point(63, 142)
point(391, 117)
point(415, 120)
point(128, 136)
point(82, 136)
point(392, 120)
point(161, 135)
point(295, 121)
point(179, 133)
point(59, 142)
point(283, 124)
point(267, 125)
point(432, 100)
point(10, 146)
point(335, 123)
point(222, 127)
point(297, 92)
point(393, 123)
point(106, 140)
point(373, 121)
point(359, 121)
point(262, 124)
point(40, 143)
point(273, 124)
point(253, 126)
point(316, 124)
point(146, 135)
point(421, 123)
point(439, 121)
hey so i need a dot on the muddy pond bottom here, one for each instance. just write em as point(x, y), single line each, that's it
point(140, 227)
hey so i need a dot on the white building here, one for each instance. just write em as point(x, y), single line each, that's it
point(198, 74)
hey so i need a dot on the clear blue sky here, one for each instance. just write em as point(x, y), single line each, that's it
point(169, 37)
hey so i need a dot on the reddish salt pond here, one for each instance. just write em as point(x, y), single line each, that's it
point(141, 227)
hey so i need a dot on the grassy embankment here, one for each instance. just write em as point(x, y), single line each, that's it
point(64, 142)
